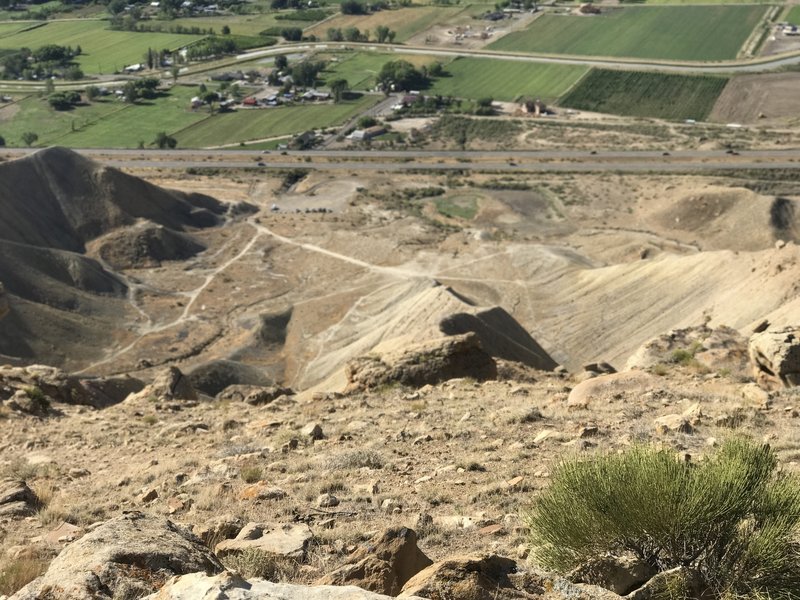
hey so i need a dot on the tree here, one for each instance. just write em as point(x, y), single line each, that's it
point(338, 89)
point(29, 138)
point(165, 141)
point(292, 34)
point(73, 73)
point(305, 73)
point(2, 141)
point(352, 7)
point(400, 75)
point(115, 7)
point(352, 34)
point(724, 527)
point(92, 93)
point(209, 98)
point(175, 70)
point(281, 62)
point(382, 33)
point(130, 92)
point(334, 34)
point(226, 30)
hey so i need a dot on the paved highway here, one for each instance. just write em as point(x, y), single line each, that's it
point(523, 161)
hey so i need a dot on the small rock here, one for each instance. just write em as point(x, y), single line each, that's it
point(495, 529)
point(148, 496)
point(312, 431)
point(76, 473)
point(515, 482)
point(327, 501)
point(390, 505)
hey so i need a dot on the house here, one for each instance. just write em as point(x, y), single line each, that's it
point(588, 9)
point(196, 102)
point(250, 101)
point(134, 68)
point(313, 95)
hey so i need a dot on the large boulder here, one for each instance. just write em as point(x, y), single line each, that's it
point(619, 574)
point(288, 541)
point(775, 356)
point(600, 390)
point(17, 499)
point(466, 578)
point(231, 586)
point(169, 384)
point(384, 564)
point(127, 557)
point(428, 362)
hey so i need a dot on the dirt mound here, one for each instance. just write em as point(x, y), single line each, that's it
point(734, 219)
point(59, 279)
point(70, 200)
point(146, 246)
point(213, 377)
point(63, 306)
point(398, 316)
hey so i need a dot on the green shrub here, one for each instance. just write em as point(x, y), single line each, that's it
point(731, 519)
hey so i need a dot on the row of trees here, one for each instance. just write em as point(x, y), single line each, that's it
point(383, 34)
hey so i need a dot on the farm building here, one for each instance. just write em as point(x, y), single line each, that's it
point(361, 135)
point(536, 107)
point(250, 101)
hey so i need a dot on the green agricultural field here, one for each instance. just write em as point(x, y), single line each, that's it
point(691, 33)
point(407, 22)
point(637, 94)
point(361, 68)
point(794, 15)
point(505, 80)
point(104, 123)
point(254, 124)
point(104, 50)
point(239, 24)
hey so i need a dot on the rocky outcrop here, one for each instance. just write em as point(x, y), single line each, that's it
point(429, 362)
point(54, 385)
point(603, 388)
point(17, 499)
point(169, 384)
point(127, 557)
point(717, 348)
point(281, 541)
point(253, 394)
point(775, 357)
point(476, 578)
point(384, 564)
point(230, 585)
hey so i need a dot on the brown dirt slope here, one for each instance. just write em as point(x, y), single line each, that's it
point(70, 200)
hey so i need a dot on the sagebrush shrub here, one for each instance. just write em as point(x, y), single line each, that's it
point(732, 518)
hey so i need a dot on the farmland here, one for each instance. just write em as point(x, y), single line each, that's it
point(104, 50)
point(107, 122)
point(360, 69)
point(794, 15)
point(690, 33)
point(405, 21)
point(243, 125)
point(636, 94)
point(505, 80)
point(239, 24)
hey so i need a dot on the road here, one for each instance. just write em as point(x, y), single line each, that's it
point(753, 65)
point(396, 160)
